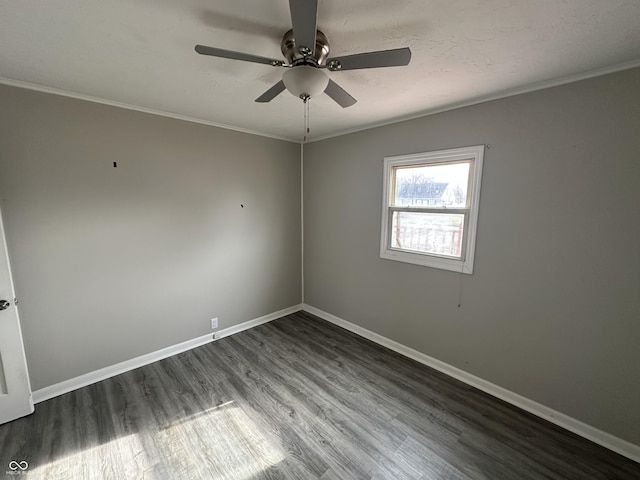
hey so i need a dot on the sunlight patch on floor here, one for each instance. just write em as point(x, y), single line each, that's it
point(221, 442)
point(124, 454)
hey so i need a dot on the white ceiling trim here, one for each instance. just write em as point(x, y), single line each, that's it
point(127, 106)
point(475, 101)
point(488, 98)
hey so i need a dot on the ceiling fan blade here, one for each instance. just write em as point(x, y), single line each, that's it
point(304, 17)
point(383, 58)
point(272, 93)
point(337, 93)
point(247, 57)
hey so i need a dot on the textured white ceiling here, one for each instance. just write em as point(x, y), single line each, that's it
point(139, 53)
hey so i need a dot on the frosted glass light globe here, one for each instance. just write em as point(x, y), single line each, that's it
point(305, 81)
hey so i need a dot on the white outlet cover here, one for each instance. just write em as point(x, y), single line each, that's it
point(214, 323)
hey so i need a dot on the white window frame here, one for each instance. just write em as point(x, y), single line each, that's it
point(463, 264)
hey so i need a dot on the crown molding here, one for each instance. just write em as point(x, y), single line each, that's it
point(90, 98)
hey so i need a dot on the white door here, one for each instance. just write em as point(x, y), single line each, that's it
point(15, 390)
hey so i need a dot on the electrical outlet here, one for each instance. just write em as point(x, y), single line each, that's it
point(214, 323)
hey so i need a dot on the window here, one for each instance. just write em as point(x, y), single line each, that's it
point(430, 208)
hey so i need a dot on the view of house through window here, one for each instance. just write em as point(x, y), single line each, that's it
point(443, 186)
point(430, 209)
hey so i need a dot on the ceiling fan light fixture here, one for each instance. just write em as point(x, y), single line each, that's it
point(304, 81)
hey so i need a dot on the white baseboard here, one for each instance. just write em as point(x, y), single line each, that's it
point(604, 439)
point(107, 372)
point(258, 321)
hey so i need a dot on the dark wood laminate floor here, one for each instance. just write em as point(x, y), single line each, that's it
point(297, 398)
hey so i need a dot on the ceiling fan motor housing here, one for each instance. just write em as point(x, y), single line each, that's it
point(294, 57)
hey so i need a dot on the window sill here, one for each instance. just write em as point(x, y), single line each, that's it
point(442, 263)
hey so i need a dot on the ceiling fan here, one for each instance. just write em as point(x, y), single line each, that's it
point(306, 51)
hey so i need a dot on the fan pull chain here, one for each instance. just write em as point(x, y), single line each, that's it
point(304, 126)
point(306, 118)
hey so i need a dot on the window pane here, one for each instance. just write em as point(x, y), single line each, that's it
point(432, 185)
point(435, 233)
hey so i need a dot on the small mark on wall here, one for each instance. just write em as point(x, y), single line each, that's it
point(115, 164)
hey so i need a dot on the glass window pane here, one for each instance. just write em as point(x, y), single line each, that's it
point(432, 185)
point(434, 233)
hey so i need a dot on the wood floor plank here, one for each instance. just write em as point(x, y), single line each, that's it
point(312, 384)
point(333, 400)
point(423, 460)
point(270, 391)
point(299, 399)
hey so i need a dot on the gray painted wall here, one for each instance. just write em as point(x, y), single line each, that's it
point(112, 263)
point(552, 311)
